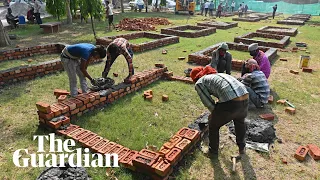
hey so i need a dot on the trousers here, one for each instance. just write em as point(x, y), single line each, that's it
point(72, 67)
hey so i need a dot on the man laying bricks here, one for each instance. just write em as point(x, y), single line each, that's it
point(115, 48)
point(256, 84)
point(75, 59)
point(221, 59)
point(261, 59)
point(232, 105)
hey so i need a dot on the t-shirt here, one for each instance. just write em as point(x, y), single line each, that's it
point(206, 5)
point(81, 50)
point(110, 13)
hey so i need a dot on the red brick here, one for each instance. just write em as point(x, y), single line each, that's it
point(115, 74)
point(91, 97)
point(164, 150)
point(290, 110)
point(81, 135)
point(123, 153)
point(143, 163)
point(62, 98)
point(89, 105)
point(99, 145)
point(294, 72)
point(309, 70)
point(75, 132)
point(103, 99)
point(314, 151)
point(149, 153)
point(69, 129)
point(184, 145)
point(165, 98)
point(84, 98)
point(87, 138)
point(163, 168)
point(192, 135)
point(182, 132)
point(159, 65)
point(96, 102)
point(70, 104)
point(270, 99)
point(78, 102)
point(107, 147)
point(43, 107)
point(269, 117)
point(96, 95)
point(281, 101)
point(283, 59)
point(93, 141)
point(58, 92)
point(115, 93)
point(54, 125)
point(65, 121)
point(301, 153)
point(127, 160)
point(46, 116)
point(115, 149)
point(62, 107)
point(75, 111)
point(149, 98)
point(172, 142)
point(173, 156)
point(56, 111)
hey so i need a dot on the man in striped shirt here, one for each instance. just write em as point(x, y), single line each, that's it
point(256, 84)
point(115, 48)
point(232, 103)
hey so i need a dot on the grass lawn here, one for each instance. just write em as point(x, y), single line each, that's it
point(240, 55)
point(190, 30)
point(133, 122)
point(141, 40)
point(34, 60)
point(266, 39)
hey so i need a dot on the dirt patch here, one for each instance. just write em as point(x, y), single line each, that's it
point(141, 24)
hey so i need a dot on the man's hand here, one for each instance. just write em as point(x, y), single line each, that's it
point(105, 74)
point(94, 82)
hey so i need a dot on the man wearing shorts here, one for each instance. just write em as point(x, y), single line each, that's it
point(109, 14)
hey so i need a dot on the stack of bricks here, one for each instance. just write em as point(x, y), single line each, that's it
point(180, 31)
point(203, 57)
point(249, 39)
point(296, 19)
point(160, 40)
point(248, 19)
point(219, 25)
point(24, 73)
point(19, 53)
point(279, 30)
point(84, 102)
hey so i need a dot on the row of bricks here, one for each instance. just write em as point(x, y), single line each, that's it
point(246, 19)
point(83, 102)
point(219, 26)
point(195, 34)
point(262, 35)
point(187, 27)
point(280, 44)
point(20, 55)
point(302, 151)
point(48, 46)
point(290, 22)
point(279, 31)
point(137, 35)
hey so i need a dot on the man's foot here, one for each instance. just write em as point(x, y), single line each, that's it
point(242, 151)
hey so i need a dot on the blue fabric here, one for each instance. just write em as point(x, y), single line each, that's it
point(81, 50)
point(22, 20)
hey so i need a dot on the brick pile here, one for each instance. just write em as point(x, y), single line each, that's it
point(250, 18)
point(19, 53)
point(219, 25)
point(180, 31)
point(279, 30)
point(296, 19)
point(160, 40)
point(141, 24)
point(248, 39)
point(203, 57)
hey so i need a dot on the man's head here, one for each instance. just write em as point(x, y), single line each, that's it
point(252, 65)
point(223, 49)
point(9, 10)
point(99, 52)
point(107, 2)
point(199, 72)
point(253, 49)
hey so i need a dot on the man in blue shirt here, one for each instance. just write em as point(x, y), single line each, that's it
point(75, 60)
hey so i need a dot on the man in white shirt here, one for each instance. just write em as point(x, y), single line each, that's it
point(206, 7)
point(109, 15)
point(233, 4)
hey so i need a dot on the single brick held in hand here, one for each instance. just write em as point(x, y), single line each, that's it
point(314, 151)
point(269, 116)
point(43, 107)
point(301, 153)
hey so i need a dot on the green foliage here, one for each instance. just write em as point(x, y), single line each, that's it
point(163, 3)
point(56, 8)
point(91, 8)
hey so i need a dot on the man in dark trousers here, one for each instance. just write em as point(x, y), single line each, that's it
point(221, 59)
point(12, 20)
point(232, 104)
point(219, 10)
point(275, 7)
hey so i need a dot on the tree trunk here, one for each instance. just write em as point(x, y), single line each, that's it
point(69, 16)
point(94, 32)
point(156, 6)
point(4, 38)
point(122, 7)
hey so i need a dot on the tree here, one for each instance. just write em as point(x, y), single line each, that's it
point(4, 38)
point(56, 8)
point(122, 7)
point(68, 10)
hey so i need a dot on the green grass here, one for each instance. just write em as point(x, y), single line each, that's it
point(190, 30)
point(141, 40)
point(22, 62)
point(240, 55)
point(132, 122)
point(266, 39)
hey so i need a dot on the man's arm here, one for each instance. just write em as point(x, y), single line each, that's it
point(128, 57)
point(83, 68)
point(228, 66)
point(214, 59)
point(107, 66)
point(247, 79)
point(205, 97)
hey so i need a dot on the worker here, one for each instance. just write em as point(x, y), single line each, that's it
point(75, 60)
point(37, 8)
point(219, 10)
point(261, 59)
point(256, 84)
point(232, 104)
point(206, 7)
point(233, 5)
point(30, 15)
point(275, 7)
point(115, 48)
point(109, 14)
point(12, 20)
point(211, 7)
point(221, 59)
